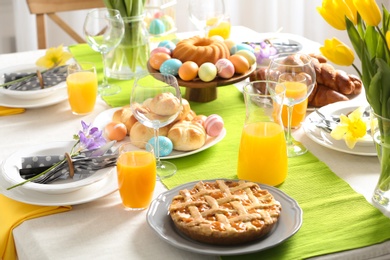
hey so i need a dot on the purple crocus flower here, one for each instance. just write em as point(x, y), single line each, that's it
point(90, 138)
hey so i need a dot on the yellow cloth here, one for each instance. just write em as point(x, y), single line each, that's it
point(6, 111)
point(13, 213)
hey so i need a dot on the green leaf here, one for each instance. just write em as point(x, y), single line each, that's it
point(371, 39)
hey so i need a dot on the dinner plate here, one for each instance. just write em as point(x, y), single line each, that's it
point(11, 165)
point(53, 99)
point(363, 147)
point(106, 116)
point(31, 94)
point(89, 193)
point(158, 218)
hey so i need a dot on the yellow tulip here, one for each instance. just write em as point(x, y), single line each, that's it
point(337, 52)
point(388, 39)
point(369, 11)
point(334, 12)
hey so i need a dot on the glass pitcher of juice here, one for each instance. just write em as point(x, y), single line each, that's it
point(262, 155)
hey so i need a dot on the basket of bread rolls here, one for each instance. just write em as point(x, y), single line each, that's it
point(188, 132)
point(332, 85)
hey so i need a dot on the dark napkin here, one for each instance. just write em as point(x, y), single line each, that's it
point(50, 78)
point(85, 164)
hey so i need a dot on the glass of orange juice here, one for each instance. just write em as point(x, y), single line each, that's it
point(136, 170)
point(295, 89)
point(82, 85)
point(262, 155)
point(222, 28)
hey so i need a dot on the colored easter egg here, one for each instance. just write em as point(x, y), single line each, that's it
point(225, 68)
point(161, 49)
point(171, 66)
point(168, 22)
point(157, 59)
point(165, 145)
point(167, 44)
point(207, 72)
point(250, 56)
point(214, 125)
point(156, 27)
point(241, 65)
point(188, 71)
point(217, 38)
point(241, 46)
point(229, 43)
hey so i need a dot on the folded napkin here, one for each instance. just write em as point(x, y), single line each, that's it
point(7, 111)
point(31, 81)
point(13, 214)
point(84, 164)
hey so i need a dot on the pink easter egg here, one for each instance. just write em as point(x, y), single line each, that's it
point(213, 125)
point(225, 68)
point(161, 49)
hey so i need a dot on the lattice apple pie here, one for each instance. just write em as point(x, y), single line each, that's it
point(225, 212)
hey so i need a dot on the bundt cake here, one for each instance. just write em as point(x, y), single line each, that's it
point(200, 50)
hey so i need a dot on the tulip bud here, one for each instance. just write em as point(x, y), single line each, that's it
point(369, 11)
point(337, 52)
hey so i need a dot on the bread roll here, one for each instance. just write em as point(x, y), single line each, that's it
point(187, 136)
point(184, 111)
point(164, 104)
point(139, 132)
point(127, 118)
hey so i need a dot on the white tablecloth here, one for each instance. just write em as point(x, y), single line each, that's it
point(102, 229)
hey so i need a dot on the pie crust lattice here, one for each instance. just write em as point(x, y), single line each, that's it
point(225, 212)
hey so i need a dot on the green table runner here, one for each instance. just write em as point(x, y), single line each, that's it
point(335, 217)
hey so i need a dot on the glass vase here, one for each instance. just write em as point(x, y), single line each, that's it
point(380, 130)
point(131, 56)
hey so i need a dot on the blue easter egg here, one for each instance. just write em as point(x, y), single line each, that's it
point(241, 46)
point(156, 27)
point(171, 66)
point(167, 44)
point(165, 145)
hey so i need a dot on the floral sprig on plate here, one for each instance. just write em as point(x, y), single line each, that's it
point(351, 128)
point(88, 139)
point(54, 57)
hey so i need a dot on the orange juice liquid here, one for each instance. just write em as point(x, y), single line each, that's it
point(223, 30)
point(82, 91)
point(136, 178)
point(295, 90)
point(262, 155)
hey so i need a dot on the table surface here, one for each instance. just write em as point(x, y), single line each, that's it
point(102, 228)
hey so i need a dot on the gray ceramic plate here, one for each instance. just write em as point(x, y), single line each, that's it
point(159, 220)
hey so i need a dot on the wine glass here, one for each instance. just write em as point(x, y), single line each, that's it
point(156, 102)
point(104, 30)
point(297, 73)
point(206, 14)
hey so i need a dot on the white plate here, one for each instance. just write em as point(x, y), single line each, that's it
point(56, 98)
point(12, 164)
point(364, 147)
point(89, 193)
point(158, 218)
point(106, 116)
point(31, 94)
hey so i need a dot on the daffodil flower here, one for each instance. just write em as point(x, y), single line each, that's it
point(369, 11)
point(351, 128)
point(54, 57)
point(337, 52)
point(335, 11)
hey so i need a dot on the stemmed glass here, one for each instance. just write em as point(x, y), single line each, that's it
point(206, 14)
point(104, 30)
point(156, 102)
point(297, 73)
